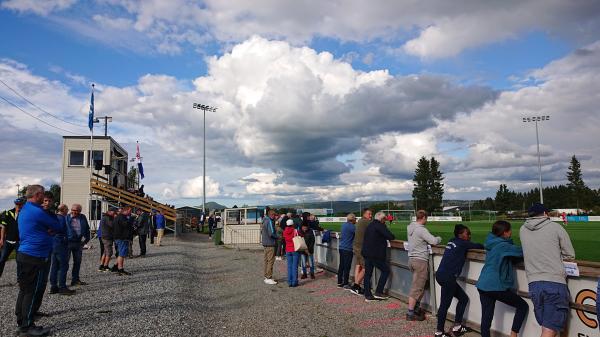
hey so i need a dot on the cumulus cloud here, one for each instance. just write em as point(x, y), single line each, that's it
point(190, 188)
point(38, 7)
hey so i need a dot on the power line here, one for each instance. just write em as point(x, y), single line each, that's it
point(39, 119)
point(42, 110)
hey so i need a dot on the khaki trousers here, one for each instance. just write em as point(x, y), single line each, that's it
point(159, 235)
point(269, 261)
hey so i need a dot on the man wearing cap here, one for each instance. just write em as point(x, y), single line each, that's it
point(269, 239)
point(545, 245)
point(106, 226)
point(9, 232)
point(36, 228)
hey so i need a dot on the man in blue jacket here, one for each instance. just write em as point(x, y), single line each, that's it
point(78, 233)
point(60, 256)
point(374, 250)
point(36, 228)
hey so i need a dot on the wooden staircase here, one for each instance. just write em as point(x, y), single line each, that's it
point(122, 197)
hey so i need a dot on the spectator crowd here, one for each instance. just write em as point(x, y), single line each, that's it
point(364, 241)
point(49, 241)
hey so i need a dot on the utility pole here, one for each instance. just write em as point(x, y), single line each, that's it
point(106, 120)
point(18, 190)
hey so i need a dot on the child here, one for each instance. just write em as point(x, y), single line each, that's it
point(449, 269)
point(290, 254)
point(307, 256)
point(497, 278)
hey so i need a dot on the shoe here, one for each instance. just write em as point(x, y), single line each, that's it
point(33, 331)
point(303, 276)
point(78, 283)
point(460, 330)
point(347, 287)
point(101, 268)
point(442, 334)
point(122, 272)
point(105, 269)
point(339, 285)
point(270, 281)
point(370, 299)
point(312, 276)
point(114, 268)
point(66, 291)
point(357, 291)
point(381, 297)
point(415, 317)
point(278, 258)
point(53, 290)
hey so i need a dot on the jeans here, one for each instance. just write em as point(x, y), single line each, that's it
point(450, 289)
point(7, 249)
point(306, 258)
point(142, 239)
point(292, 268)
point(74, 250)
point(345, 266)
point(31, 274)
point(488, 304)
point(385, 273)
point(59, 267)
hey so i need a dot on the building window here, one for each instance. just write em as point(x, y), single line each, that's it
point(75, 158)
point(98, 156)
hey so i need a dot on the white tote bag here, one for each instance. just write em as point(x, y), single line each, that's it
point(299, 243)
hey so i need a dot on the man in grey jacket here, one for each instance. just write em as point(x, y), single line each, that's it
point(418, 262)
point(269, 240)
point(545, 245)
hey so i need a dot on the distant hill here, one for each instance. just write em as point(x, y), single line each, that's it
point(353, 206)
point(212, 205)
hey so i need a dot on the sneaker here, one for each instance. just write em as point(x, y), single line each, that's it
point(66, 291)
point(105, 269)
point(122, 272)
point(278, 258)
point(414, 317)
point(339, 285)
point(270, 281)
point(460, 330)
point(33, 331)
point(312, 276)
point(303, 276)
point(78, 283)
point(347, 287)
point(53, 290)
point(357, 291)
point(101, 268)
point(381, 297)
point(114, 268)
point(370, 299)
point(442, 334)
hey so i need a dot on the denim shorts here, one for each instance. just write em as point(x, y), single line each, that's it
point(550, 303)
point(123, 247)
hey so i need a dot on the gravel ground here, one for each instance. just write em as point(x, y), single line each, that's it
point(189, 287)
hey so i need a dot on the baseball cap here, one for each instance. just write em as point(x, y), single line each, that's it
point(537, 209)
point(290, 222)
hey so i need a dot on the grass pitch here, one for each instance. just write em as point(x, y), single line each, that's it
point(585, 236)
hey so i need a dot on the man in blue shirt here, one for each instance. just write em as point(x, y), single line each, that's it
point(159, 220)
point(345, 249)
point(36, 228)
point(78, 233)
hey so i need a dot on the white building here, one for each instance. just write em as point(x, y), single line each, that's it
point(109, 166)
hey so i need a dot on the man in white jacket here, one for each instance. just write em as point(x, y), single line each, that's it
point(418, 262)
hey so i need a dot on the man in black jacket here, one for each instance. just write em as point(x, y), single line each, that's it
point(374, 250)
point(121, 233)
point(143, 228)
point(9, 232)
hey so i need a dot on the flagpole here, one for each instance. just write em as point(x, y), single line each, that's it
point(91, 125)
point(139, 160)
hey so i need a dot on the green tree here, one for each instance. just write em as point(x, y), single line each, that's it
point(421, 180)
point(436, 185)
point(55, 190)
point(502, 200)
point(132, 177)
point(574, 175)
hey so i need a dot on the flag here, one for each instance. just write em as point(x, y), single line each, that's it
point(138, 158)
point(91, 114)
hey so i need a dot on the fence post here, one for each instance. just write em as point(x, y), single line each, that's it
point(433, 300)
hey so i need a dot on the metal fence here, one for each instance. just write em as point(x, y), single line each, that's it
point(242, 236)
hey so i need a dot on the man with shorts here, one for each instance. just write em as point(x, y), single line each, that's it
point(121, 233)
point(418, 262)
point(359, 235)
point(106, 226)
point(545, 245)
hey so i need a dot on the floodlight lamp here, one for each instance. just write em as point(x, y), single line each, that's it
point(524, 120)
point(195, 105)
point(547, 118)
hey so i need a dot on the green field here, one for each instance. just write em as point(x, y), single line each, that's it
point(584, 235)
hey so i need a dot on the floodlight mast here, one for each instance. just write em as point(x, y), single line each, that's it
point(204, 108)
point(537, 119)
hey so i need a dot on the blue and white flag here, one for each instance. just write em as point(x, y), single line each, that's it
point(91, 114)
point(138, 158)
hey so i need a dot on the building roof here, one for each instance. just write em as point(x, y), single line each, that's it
point(100, 137)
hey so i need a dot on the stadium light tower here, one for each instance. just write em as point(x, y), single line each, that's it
point(537, 119)
point(204, 108)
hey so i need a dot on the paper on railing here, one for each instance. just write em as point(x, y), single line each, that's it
point(389, 244)
point(429, 250)
point(337, 235)
point(406, 246)
point(571, 268)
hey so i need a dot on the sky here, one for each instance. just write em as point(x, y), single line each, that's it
point(317, 100)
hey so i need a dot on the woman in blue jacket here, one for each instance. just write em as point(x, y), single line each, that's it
point(497, 278)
